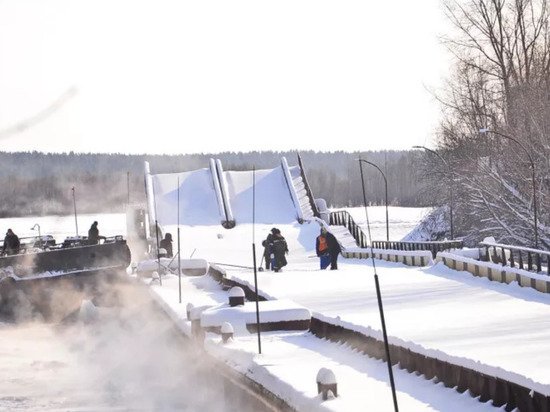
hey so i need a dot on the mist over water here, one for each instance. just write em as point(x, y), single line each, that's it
point(122, 358)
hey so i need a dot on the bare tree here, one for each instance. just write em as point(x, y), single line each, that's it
point(501, 82)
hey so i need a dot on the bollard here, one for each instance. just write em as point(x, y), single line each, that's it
point(155, 277)
point(236, 296)
point(320, 375)
point(188, 309)
point(195, 317)
point(326, 381)
point(227, 332)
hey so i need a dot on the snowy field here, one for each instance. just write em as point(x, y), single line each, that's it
point(402, 220)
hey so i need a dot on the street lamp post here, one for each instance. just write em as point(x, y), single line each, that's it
point(451, 185)
point(535, 225)
point(361, 161)
point(378, 291)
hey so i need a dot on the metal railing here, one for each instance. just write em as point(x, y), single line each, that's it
point(308, 188)
point(524, 258)
point(343, 218)
point(433, 247)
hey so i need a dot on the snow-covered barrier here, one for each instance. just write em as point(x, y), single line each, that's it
point(281, 314)
point(495, 272)
point(193, 267)
point(410, 258)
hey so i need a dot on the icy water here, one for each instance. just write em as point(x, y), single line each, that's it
point(127, 358)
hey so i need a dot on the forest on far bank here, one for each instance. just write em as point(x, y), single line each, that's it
point(41, 183)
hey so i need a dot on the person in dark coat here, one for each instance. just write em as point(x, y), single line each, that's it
point(12, 245)
point(266, 243)
point(328, 249)
point(278, 249)
point(166, 243)
point(93, 234)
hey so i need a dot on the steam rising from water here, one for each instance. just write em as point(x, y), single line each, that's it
point(122, 358)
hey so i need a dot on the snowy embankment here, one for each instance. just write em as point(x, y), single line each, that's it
point(290, 361)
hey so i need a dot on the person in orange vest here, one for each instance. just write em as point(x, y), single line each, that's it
point(328, 249)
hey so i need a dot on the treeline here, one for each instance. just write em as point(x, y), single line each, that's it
point(41, 183)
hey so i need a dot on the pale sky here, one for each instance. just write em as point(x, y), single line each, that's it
point(159, 76)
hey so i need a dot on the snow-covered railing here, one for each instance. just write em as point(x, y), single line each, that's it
point(495, 271)
point(433, 247)
point(309, 193)
point(292, 190)
point(410, 258)
point(230, 220)
point(343, 218)
point(524, 258)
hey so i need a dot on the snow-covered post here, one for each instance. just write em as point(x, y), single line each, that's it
point(326, 381)
point(188, 309)
point(324, 213)
point(196, 329)
point(227, 332)
point(150, 195)
point(236, 296)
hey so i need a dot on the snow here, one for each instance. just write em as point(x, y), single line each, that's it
point(433, 310)
point(242, 315)
point(185, 264)
point(402, 220)
point(227, 328)
point(327, 378)
point(497, 267)
point(198, 203)
point(290, 362)
point(497, 329)
point(236, 292)
point(273, 199)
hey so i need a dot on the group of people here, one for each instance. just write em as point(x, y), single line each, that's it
point(12, 244)
point(275, 249)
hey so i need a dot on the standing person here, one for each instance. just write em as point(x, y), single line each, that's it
point(266, 243)
point(278, 249)
point(93, 234)
point(327, 248)
point(321, 248)
point(12, 244)
point(166, 243)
